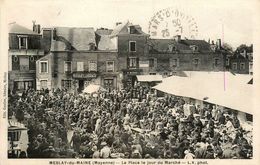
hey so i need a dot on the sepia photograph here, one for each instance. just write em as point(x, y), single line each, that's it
point(128, 80)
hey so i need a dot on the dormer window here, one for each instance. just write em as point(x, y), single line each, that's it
point(23, 43)
point(194, 48)
point(131, 30)
point(92, 46)
point(172, 48)
point(213, 47)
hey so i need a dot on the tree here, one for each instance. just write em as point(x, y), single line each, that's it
point(227, 47)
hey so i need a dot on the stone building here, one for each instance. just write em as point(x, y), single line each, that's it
point(241, 62)
point(24, 50)
point(113, 58)
point(77, 57)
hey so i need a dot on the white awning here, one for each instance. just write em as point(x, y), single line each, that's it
point(219, 88)
point(149, 78)
point(91, 88)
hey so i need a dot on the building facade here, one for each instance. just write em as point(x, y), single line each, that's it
point(77, 57)
point(113, 58)
point(24, 50)
point(140, 55)
point(241, 62)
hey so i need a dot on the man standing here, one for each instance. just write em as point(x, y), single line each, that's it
point(105, 152)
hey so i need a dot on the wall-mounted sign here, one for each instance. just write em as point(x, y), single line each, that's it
point(84, 75)
point(143, 63)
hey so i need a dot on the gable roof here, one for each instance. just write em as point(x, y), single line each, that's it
point(123, 29)
point(104, 42)
point(119, 29)
point(70, 38)
point(162, 45)
point(18, 29)
point(202, 45)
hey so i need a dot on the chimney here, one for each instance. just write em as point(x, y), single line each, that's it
point(118, 23)
point(36, 27)
point(54, 34)
point(177, 38)
point(219, 43)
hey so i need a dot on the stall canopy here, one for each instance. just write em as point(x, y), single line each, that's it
point(149, 78)
point(92, 88)
point(221, 88)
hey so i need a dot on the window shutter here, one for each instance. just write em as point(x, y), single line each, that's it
point(155, 62)
point(128, 62)
point(137, 62)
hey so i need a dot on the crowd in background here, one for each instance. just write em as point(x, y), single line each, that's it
point(130, 123)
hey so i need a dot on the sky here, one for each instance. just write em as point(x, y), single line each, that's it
point(231, 21)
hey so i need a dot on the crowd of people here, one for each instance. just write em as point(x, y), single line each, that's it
point(129, 123)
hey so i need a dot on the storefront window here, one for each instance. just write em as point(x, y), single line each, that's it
point(110, 66)
point(23, 85)
point(66, 84)
point(108, 83)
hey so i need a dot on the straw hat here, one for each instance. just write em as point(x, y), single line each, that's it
point(103, 143)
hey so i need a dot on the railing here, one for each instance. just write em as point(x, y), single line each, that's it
point(24, 68)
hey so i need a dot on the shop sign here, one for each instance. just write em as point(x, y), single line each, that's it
point(84, 75)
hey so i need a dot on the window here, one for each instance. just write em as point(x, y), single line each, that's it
point(227, 61)
point(172, 48)
point(24, 64)
point(92, 66)
point(43, 67)
point(216, 62)
point(15, 63)
point(242, 66)
point(250, 65)
point(32, 63)
point(14, 135)
point(132, 45)
point(108, 83)
point(151, 63)
point(67, 66)
point(23, 42)
point(234, 66)
point(43, 84)
point(23, 85)
point(152, 73)
point(110, 66)
point(66, 84)
point(132, 62)
point(174, 62)
point(196, 62)
point(80, 66)
point(194, 48)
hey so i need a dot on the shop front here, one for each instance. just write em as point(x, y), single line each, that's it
point(83, 79)
point(129, 77)
point(21, 81)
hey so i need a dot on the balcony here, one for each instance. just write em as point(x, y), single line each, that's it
point(29, 52)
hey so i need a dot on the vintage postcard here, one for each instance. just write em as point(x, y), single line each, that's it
point(129, 82)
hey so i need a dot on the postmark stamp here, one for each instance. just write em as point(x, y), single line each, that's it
point(170, 22)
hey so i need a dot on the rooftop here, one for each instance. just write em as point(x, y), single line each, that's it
point(18, 29)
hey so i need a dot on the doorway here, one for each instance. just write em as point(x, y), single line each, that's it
point(81, 85)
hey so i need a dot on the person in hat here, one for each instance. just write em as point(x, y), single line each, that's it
point(188, 154)
point(76, 141)
point(105, 152)
point(96, 153)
